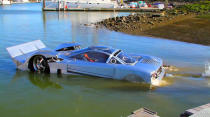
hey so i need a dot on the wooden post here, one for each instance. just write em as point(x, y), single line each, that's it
point(58, 5)
point(43, 7)
point(166, 4)
point(64, 5)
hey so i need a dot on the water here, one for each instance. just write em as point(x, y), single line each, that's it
point(27, 94)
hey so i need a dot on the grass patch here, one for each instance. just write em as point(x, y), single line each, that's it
point(199, 7)
point(205, 16)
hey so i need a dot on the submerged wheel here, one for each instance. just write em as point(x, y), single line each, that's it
point(39, 64)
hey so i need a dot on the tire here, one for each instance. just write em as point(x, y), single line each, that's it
point(39, 64)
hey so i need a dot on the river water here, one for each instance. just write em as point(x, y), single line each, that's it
point(26, 94)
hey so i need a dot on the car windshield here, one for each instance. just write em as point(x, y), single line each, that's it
point(77, 48)
point(102, 48)
point(126, 58)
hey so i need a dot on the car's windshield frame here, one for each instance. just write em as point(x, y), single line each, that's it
point(116, 54)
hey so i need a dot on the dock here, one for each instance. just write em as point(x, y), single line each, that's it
point(200, 111)
point(143, 112)
point(95, 5)
point(104, 9)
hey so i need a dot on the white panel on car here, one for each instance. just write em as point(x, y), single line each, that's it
point(25, 48)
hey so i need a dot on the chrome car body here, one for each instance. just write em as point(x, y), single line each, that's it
point(95, 61)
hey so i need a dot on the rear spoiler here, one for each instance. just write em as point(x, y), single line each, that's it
point(25, 48)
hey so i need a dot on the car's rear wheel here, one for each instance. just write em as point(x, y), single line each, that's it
point(39, 64)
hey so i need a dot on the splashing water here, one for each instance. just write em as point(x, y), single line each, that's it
point(169, 75)
point(160, 83)
point(207, 70)
point(170, 68)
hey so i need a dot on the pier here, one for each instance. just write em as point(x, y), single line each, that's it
point(103, 9)
point(67, 5)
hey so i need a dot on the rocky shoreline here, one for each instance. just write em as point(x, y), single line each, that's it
point(142, 22)
point(178, 26)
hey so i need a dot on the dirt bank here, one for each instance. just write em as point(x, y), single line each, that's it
point(176, 26)
point(192, 30)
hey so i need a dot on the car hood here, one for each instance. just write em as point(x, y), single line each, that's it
point(151, 60)
point(150, 63)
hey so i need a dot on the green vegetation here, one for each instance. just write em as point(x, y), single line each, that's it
point(204, 16)
point(199, 7)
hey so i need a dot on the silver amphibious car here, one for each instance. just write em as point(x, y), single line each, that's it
point(69, 58)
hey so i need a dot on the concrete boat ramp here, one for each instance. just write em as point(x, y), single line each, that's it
point(143, 112)
point(200, 111)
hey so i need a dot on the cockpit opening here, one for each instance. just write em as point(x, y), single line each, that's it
point(69, 48)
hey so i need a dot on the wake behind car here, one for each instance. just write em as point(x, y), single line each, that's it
point(101, 61)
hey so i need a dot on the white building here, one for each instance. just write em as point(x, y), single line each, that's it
point(20, 1)
point(5, 2)
point(92, 3)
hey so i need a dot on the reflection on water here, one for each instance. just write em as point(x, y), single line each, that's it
point(78, 19)
point(40, 80)
point(44, 81)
